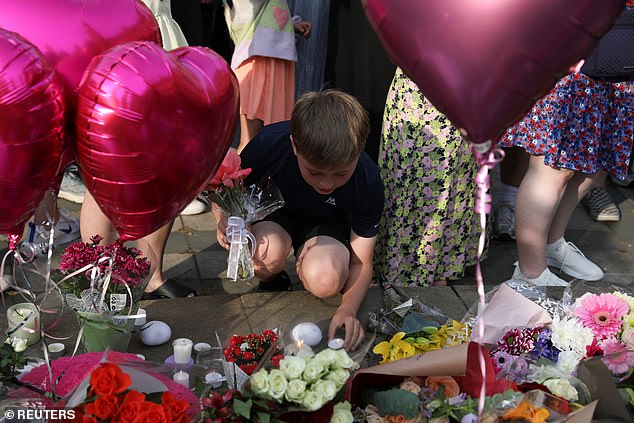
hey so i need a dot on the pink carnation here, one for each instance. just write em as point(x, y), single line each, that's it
point(602, 313)
point(617, 356)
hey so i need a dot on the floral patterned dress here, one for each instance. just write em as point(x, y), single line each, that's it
point(583, 124)
point(429, 230)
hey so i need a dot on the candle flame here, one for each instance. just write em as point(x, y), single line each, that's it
point(299, 343)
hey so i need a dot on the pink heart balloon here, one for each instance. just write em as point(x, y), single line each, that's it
point(152, 127)
point(484, 63)
point(31, 128)
point(71, 32)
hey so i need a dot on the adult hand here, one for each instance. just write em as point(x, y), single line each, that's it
point(352, 325)
point(303, 28)
point(221, 222)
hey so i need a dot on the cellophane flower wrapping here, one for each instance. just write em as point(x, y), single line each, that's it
point(253, 202)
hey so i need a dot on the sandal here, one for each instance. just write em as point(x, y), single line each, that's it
point(169, 289)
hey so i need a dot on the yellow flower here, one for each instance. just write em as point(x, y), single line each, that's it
point(395, 349)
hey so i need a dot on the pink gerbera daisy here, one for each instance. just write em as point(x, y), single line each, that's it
point(602, 313)
point(617, 356)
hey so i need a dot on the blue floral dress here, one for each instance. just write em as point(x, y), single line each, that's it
point(583, 124)
point(429, 230)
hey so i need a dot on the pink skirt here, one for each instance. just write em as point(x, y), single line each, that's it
point(267, 88)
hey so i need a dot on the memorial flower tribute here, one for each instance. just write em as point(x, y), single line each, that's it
point(103, 284)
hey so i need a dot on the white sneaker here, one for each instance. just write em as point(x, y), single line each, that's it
point(195, 207)
point(72, 188)
point(566, 257)
point(547, 278)
point(66, 230)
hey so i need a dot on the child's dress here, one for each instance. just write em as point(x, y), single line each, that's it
point(171, 33)
point(264, 57)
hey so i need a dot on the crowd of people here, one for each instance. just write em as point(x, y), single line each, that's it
point(405, 214)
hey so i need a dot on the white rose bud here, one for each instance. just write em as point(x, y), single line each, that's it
point(293, 367)
point(339, 376)
point(277, 384)
point(295, 391)
point(342, 413)
point(259, 382)
point(18, 344)
point(313, 401)
point(327, 388)
point(562, 388)
point(344, 360)
point(327, 356)
point(313, 371)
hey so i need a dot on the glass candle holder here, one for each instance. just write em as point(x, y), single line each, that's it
point(25, 320)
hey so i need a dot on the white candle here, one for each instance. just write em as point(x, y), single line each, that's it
point(56, 350)
point(182, 350)
point(300, 349)
point(200, 347)
point(214, 379)
point(182, 378)
point(335, 343)
point(26, 317)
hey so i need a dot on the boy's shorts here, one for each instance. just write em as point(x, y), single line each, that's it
point(301, 231)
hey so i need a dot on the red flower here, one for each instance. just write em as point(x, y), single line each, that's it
point(108, 379)
point(103, 407)
point(229, 172)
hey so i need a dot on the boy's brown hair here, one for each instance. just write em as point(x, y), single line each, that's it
point(329, 128)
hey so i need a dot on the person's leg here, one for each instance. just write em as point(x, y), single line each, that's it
point(93, 222)
point(576, 189)
point(249, 128)
point(512, 171)
point(274, 245)
point(46, 212)
point(153, 246)
point(323, 265)
point(538, 198)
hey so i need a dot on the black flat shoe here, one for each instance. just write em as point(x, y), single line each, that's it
point(281, 283)
point(169, 289)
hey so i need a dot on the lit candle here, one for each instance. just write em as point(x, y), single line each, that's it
point(182, 350)
point(300, 349)
point(26, 317)
point(182, 378)
point(335, 343)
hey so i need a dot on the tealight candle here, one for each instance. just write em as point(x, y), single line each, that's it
point(335, 343)
point(25, 317)
point(300, 349)
point(182, 350)
point(201, 346)
point(56, 350)
point(182, 378)
point(214, 379)
point(142, 317)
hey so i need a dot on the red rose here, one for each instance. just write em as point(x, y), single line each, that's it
point(128, 412)
point(247, 355)
point(134, 396)
point(108, 379)
point(152, 413)
point(104, 407)
point(175, 408)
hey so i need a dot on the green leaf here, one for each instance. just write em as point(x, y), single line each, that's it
point(263, 417)
point(242, 408)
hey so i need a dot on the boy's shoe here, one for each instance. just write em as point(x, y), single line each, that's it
point(629, 179)
point(600, 206)
point(566, 257)
point(195, 207)
point(547, 278)
point(66, 230)
point(72, 188)
point(281, 283)
point(504, 222)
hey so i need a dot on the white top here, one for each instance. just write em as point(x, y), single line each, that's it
point(171, 33)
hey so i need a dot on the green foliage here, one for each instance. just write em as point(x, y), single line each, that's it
point(10, 362)
point(397, 401)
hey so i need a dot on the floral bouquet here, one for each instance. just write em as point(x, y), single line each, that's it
point(241, 205)
point(103, 284)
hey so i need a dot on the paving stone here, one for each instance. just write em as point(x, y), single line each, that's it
point(199, 222)
point(179, 265)
point(177, 243)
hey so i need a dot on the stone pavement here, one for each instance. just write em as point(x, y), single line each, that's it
point(195, 259)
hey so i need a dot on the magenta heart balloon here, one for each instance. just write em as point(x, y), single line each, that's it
point(152, 127)
point(71, 32)
point(31, 131)
point(484, 63)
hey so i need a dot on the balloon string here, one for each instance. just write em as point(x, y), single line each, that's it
point(483, 208)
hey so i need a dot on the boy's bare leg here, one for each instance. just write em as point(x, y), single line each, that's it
point(94, 222)
point(323, 265)
point(274, 245)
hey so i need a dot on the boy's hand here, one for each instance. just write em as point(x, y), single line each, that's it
point(303, 28)
point(221, 222)
point(352, 325)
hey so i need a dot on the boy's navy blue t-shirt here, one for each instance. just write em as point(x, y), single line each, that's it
point(360, 200)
